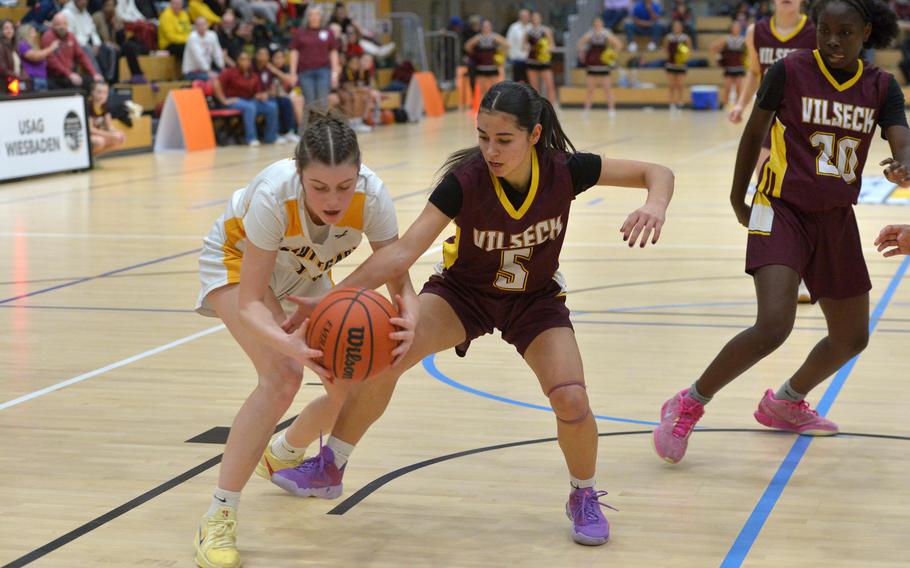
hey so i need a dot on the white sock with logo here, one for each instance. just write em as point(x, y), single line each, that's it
point(580, 483)
point(224, 498)
point(282, 450)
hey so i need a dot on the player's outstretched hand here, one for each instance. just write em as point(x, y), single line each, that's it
point(305, 307)
point(304, 354)
point(406, 322)
point(895, 238)
point(896, 172)
point(644, 222)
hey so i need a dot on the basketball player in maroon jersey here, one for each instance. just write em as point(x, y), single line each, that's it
point(510, 199)
point(822, 107)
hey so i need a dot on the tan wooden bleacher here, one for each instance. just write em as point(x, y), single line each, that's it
point(139, 137)
point(154, 68)
point(149, 97)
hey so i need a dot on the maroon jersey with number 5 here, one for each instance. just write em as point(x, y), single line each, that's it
point(821, 133)
point(498, 249)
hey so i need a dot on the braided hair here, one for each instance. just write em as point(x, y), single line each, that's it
point(877, 13)
point(328, 140)
point(528, 109)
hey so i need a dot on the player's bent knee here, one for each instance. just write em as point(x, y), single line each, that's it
point(569, 401)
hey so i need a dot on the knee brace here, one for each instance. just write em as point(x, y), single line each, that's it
point(577, 419)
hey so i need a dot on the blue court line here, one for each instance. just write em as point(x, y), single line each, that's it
point(102, 275)
point(595, 201)
point(756, 521)
point(429, 364)
point(99, 309)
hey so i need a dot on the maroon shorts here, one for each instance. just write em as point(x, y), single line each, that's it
point(520, 317)
point(823, 247)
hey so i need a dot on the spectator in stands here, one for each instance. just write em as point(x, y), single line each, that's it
point(518, 50)
point(81, 25)
point(202, 58)
point(227, 37)
point(174, 29)
point(239, 88)
point(763, 11)
point(249, 9)
point(105, 138)
point(218, 7)
point(284, 87)
point(34, 57)
point(136, 23)
point(615, 11)
point(645, 22)
point(199, 9)
point(272, 84)
point(682, 14)
point(314, 60)
point(68, 67)
point(359, 98)
point(42, 12)
point(112, 31)
point(10, 65)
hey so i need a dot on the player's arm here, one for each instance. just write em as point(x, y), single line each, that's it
point(501, 41)
point(614, 41)
point(582, 42)
point(469, 45)
point(717, 47)
point(658, 180)
point(255, 273)
point(391, 262)
point(402, 291)
point(752, 80)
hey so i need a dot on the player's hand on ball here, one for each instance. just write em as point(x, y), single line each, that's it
point(895, 238)
point(406, 323)
point(643, 222)
point(305, 307)
point(896, 172)
point(304, 354)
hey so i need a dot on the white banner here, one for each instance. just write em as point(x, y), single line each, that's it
point(43, 135)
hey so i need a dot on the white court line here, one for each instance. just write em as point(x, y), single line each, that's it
point(111, 367)
point(101, 236)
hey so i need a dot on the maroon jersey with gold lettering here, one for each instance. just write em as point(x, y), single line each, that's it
point(498, 249)
point(771, 46)
point(821, 134)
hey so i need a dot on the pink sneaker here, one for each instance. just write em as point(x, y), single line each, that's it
point(678, 417)
point(792, 417)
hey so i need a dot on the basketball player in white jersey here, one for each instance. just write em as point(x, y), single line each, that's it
point(282, 235)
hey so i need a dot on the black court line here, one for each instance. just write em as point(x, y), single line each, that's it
point(359, 495)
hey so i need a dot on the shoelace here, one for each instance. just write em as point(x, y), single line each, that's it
point(315, 463)
point(588, 508)
point(803, 406)
point(222, 533)
point(685, 423)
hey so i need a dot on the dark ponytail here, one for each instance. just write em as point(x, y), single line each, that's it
point(874, 12)
point(328, 140)
point(528, 108)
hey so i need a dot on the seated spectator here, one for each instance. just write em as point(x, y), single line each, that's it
point(272, 84)
point(105, 138)
point(218, 7)
point(34, 57)
point(239, 88)
point(199, 9)
point(284, 87)
point(81, 25)
point(174, 29)
point(42, 12)
point(202, 58)
point(137, 25)
point(359, 99)
point(10, 65)
point(68, 67)
point(615, 11)
point(249, 9)
point(113, 33)
point(645, 22)
point(227, 38)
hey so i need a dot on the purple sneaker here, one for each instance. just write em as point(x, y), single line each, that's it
point(317, 476)
point(589, 526)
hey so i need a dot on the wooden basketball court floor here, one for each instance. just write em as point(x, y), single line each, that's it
point(108, 376)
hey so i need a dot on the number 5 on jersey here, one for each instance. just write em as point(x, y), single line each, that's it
point(512, 274)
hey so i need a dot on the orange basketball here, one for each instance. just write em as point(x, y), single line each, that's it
point(351, 327)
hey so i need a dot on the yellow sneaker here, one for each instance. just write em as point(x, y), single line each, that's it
point(269, 464)
point(216, 543)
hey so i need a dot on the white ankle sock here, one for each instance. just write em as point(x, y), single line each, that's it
point(282, 450)
point(581, 483)
point(341, 449)
point(224, 498)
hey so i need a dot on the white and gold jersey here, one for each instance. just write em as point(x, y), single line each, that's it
point(270, 214)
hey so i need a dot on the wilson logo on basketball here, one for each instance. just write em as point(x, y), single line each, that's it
point(352, 351)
